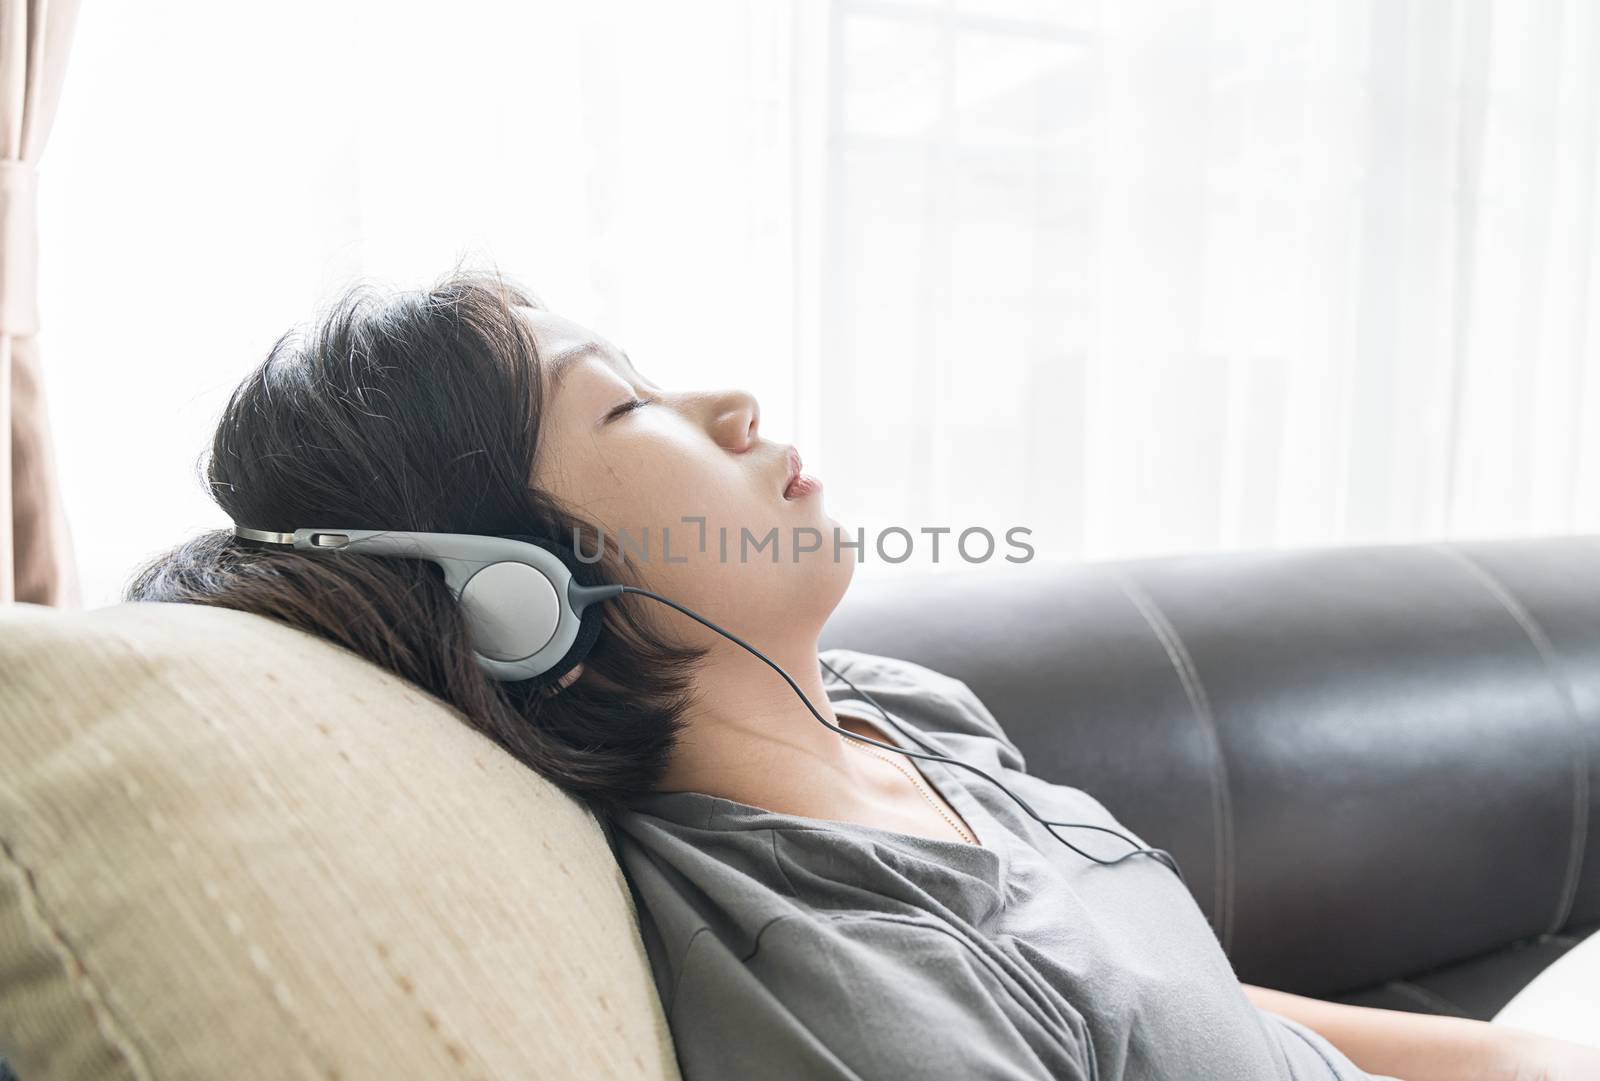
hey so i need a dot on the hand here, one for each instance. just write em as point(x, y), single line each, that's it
point(1529, 1056)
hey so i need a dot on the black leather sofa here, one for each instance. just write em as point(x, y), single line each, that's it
point(1378, 766)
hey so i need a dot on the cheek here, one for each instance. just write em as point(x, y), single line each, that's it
point(661, 477)
point(635, 483)
point(650, 480)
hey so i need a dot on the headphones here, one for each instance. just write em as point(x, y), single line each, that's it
point(532, 609)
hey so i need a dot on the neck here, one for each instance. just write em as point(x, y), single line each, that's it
point(750, 739)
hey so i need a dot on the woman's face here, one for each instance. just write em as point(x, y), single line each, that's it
point(628, 455)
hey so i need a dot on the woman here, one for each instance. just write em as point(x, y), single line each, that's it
point(813, 906)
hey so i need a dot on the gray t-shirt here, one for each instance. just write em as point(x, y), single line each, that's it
point(792, 947)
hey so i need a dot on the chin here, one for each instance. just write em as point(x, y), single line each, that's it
point(829, 578)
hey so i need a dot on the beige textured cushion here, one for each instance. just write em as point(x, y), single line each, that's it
point(229, 849)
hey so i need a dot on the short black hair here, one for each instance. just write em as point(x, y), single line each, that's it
point(420, 410)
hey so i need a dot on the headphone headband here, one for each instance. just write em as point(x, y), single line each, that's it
point(262, 535)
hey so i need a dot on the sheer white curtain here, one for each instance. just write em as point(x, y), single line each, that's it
point(1139, 277)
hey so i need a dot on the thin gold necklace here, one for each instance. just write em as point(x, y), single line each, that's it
point(966, 835)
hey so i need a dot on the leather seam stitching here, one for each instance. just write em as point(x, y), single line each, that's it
point(1580, 764)
point(1199, 702)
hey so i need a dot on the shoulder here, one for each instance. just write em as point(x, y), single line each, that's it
point(929, 699)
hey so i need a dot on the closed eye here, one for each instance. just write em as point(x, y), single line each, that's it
point(627, 407)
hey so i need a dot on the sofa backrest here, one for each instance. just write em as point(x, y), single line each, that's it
point(230, 849)
point(1367, 760)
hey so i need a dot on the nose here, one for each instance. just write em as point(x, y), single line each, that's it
point(736, 420)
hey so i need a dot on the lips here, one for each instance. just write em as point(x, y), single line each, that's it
point(797, 483)
point(793, 472)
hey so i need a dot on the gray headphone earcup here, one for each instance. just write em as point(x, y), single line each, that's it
point(589, 622)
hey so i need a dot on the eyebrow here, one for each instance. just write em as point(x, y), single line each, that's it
point(562, 362)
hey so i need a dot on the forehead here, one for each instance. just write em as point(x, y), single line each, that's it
point(564, 344)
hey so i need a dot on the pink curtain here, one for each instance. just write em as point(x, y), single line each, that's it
point(36, 558)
